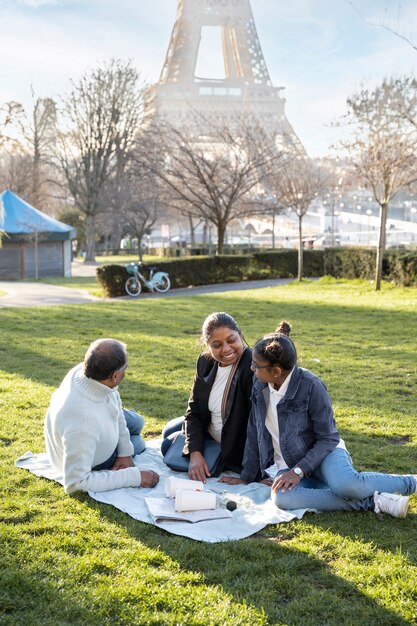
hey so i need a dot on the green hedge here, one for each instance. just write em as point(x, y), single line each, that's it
point(401, 268)
point(349, 262)
point(398, 267)
point(284, 263)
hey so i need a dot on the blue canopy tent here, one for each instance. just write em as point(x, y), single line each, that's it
point(33, 243)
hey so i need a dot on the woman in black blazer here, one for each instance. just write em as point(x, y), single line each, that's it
point(219, 402)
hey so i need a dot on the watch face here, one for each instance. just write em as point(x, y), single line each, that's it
point(298, 471)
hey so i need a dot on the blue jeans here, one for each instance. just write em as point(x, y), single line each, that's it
point(134, 423)
point(336, 486)
point(169, 432)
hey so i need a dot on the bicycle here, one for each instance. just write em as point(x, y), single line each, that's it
point(158, 281)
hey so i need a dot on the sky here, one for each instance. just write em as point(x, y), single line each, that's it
point(321, 51)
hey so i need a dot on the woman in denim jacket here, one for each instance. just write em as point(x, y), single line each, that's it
point(292, 425)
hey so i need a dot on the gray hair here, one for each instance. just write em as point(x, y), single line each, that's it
point(103, 358)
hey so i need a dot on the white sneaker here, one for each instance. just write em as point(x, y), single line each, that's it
point(391, 503)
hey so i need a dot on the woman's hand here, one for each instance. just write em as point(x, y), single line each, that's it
point(122, 462)
point(231, 480)
point(198, 468)
point(287, 480)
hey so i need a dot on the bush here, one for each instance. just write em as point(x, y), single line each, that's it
point(400, 268)
point(112, 279)
point(349, 262)
point(205, 270)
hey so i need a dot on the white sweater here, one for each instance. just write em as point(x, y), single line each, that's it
point(83, 426)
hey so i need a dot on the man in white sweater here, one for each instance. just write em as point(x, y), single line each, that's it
point(88, 435)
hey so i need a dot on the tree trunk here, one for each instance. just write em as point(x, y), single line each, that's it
point(91, 238)
point(221, 231)
point(115, 237)
point(300, 248)
point(381, 245)
point(192, 230)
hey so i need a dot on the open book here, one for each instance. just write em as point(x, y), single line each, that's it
point(163, 510)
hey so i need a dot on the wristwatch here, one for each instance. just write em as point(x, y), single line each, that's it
point(298, 471)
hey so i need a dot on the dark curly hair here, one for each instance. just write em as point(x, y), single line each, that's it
point(277, 348)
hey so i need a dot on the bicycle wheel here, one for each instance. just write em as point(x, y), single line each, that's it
point(133, 286)
point(161, 282)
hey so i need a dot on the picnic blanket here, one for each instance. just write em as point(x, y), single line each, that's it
point(243, 523)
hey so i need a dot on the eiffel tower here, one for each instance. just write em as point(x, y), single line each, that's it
point(245, 89)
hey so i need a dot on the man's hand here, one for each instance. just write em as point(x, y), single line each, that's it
point(231, 480)
point(122, 462)
point(149, 478)
point(198, 468)
point(287, 480)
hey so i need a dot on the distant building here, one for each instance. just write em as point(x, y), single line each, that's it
point(184, 98)
point(33, 244)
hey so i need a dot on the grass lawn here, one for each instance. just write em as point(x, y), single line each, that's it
point(71, 560)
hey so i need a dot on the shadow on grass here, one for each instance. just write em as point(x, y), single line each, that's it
point(284, 583)
point(27, 598)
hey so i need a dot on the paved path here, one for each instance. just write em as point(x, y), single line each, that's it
point(218, 288)
point(41, 294)
point(19, 294)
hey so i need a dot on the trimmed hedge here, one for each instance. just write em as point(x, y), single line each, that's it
point(401, 268)
point(398, 267)
point(284, 263)
point(112, 280)
point(349, 262)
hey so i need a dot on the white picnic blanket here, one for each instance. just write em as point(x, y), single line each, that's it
point(243, 523)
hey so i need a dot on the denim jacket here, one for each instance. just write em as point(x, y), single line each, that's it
point(307, 429)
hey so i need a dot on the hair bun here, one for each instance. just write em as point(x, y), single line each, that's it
point(284, 328)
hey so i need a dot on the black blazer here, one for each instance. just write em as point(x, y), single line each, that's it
point(198, 418)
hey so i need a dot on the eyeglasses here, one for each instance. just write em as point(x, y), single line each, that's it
point(254, 367)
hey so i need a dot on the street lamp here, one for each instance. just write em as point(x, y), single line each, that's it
point(369, 213)
point(359, 208)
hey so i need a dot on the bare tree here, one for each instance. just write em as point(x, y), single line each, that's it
point(140, 209)
point(7, 115)
point(138, 200)
point(14, 162)
point(299, 182)
point(101, 119)
point(386, 24)
point(37, 131)
point(381, 150)
point(15, 171)
point(216, 179)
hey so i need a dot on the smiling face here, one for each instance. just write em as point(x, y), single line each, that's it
point(225, 345)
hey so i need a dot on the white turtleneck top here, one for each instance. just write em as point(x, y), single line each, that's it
point(83, 427)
